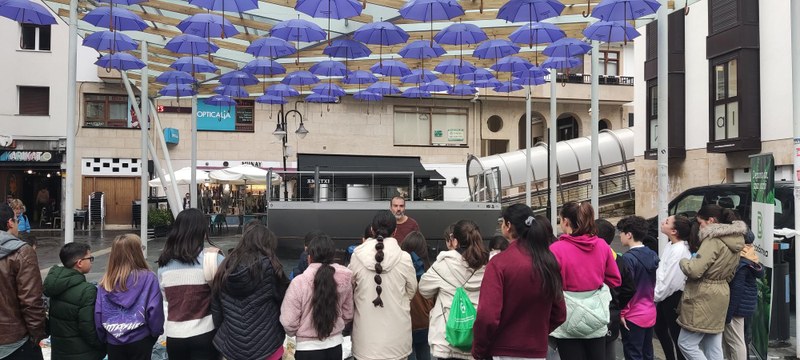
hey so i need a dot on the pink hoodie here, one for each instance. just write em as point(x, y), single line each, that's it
point(586, 263)
point(296, 310)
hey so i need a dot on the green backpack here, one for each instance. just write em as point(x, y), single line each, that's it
point(458, 326)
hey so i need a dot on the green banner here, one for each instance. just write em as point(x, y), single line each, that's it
point(762, 185)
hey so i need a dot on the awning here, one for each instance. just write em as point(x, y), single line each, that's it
point(365, 163)
point(435, 176)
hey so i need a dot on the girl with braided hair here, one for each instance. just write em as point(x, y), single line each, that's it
point(385, 282)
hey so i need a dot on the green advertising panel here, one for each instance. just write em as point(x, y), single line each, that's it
point(762, 183)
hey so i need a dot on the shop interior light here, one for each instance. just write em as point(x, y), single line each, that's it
point(30, 172)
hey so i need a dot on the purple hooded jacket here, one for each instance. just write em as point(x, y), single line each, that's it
point(124, 317)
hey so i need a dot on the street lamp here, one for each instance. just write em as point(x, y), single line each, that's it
point(280, 133)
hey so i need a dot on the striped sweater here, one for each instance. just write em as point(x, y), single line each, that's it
point(188, 298)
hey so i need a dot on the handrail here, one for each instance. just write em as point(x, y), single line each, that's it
point(572, 191)
point(587, 79)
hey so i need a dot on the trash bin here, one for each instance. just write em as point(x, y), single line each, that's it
point(780, 317)
point(136, 213)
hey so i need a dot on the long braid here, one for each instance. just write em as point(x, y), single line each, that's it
point(378, 270)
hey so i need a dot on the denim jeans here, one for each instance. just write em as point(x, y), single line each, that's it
point(420, 349)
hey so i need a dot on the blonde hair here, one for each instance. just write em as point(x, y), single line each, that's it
point(126, 257)
point(17, 204)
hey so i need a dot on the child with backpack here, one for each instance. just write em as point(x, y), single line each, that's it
point(455, 280)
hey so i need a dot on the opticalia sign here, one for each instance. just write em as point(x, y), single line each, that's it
point(215, 117)
point(28, 156)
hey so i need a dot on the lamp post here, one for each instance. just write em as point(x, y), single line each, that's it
point(280, 134)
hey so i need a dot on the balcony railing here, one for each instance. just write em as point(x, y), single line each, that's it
point(587, 79)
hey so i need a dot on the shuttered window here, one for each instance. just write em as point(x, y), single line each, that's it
point(724, 15)
point(34, 100)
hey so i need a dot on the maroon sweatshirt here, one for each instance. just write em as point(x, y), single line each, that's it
point(514, 318)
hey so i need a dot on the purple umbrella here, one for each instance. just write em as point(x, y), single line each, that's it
point(561, 63)
point(322, 99)
point(282, 90)
point(110, 40)
point(116, 19)
point(238, 78)
point(380, 33)
point(193, 65)
point(478, 74)
point(455, 66)
point(383, 88)
point(298, 30)
point(359, 77)
point(191, 44)
point(328, 68)
point(495, 49)
point(460, 34)
point(330, 9)
point(422, 49)
point(329, 90)
point(610, 10)
point(529, 10)
point(237, 6)
point(534, 71)
point(567, 47)
point(365, 95)
point(528, 81)
point(271, 47)
point(177, 90)
point(175, 77)
point(419, 76)
point(511, 64)
point(537, 33)
point(220, 100)
point(207, 26)
point(120, 61)
point(390, 68)
point(120, 2)
point(346, 48)
point(508, 87)
point(264, 67)
point(271, 99)
point(488, 83)
point(26, 12)
point(611, 31)
point(462, 90)
point(416, 93)
point(435, 86)
point(429, 10)
point(232, 91)
point(300, 77)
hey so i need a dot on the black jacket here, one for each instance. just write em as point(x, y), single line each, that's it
point(246, 313)
point(744, 291)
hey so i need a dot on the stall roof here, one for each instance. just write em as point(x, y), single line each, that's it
point(366, 163)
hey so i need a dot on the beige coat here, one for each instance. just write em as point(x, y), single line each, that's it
point(382, 333)
point(441, 280)
point(706, 294)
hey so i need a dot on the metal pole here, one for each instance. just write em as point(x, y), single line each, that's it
point(174, 184)
point(528, 167)
point(143, 125)
point(795, 16)
point(193, 182)
point(282, 119)
point(552, 145)
point(72, 79)
point(663, 116)
point(595, 182)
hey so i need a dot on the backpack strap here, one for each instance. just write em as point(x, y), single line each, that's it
point(441, 305)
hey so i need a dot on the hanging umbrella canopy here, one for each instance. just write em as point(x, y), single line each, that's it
point(390, 68)
point(322, 99)
point(282, 90)
point(271, 47)
point(191, 44)
point(238, 78)
point(346, 48)
point(611, 31)
point(460, 34)
point(529, 10)
point(462, 90)
point(328, 68)
point(419, 76)
point(182, 177)
point(332, 9)
point(243, 174)
point(119, 18)
point(561, 63)
point(300, 77)
point(207, 25)
point(271, 99)
point(264, 67)
point(455, 66)
point(478, 74)
point(531, 72)
point(380, 33)
point(436, 86)
point(175, 77)
point(298, 30)
point(488, 83)
point(194, 64)
point(567, 47)
point(511, 64)
point(220, 100)
point(329, 89)
point(359, 77)
point(537, 33)
point(383, 88)
point(237, 6)
point(528, 81)
point(232, 91)
point(610, 10)
point(120, 61)
point(177, 90)
point(109, 40)
point(416, 93)
point(366, 95)
point(422, 49)
point(429, 10)
point(507, 87)
point(495, 49)
point(120, 2)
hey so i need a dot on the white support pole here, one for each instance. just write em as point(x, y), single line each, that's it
point(663, 116)
point(163, 142)
point(552, 145)
point(795, 16)
point(144, 125)
point(193, 182)
point(595, 182)
point(72, 83)
point(528, 168)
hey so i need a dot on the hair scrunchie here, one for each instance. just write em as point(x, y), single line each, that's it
point(529, 221)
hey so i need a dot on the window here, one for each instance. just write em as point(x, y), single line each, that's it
point(725, 121)
point(106, 111)
point(609, 63)
point(34, 100)
point(652, 115)
point(567, 127)
point(35, 37)
point(430, 126)
point(688, 206)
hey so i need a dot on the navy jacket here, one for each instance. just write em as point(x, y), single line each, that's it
point(744, 292)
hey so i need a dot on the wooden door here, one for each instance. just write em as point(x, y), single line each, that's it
point(119, 192)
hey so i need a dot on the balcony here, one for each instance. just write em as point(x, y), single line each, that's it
point(587, 79)
point(577, 87)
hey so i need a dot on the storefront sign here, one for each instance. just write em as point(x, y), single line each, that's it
point(762, 187)
point(29, 156)
point(215, 117)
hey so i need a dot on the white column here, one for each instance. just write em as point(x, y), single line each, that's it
point(552, 145)
point(663, 116)
point(193, 126)
point(143, 125)
point(72, 78)
point(795, 16)
point(176, 196)
point(529, 168)
point(595, 182)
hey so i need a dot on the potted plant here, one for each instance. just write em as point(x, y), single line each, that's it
point(160, 220)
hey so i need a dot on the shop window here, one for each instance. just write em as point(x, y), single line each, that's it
point(101, 110)
point(34, 37)
point(430, 126)
point(34, 100)
point(652, 115)
point(609, 63)
point(725, 100)
point(567, 128)
point(537, 129)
